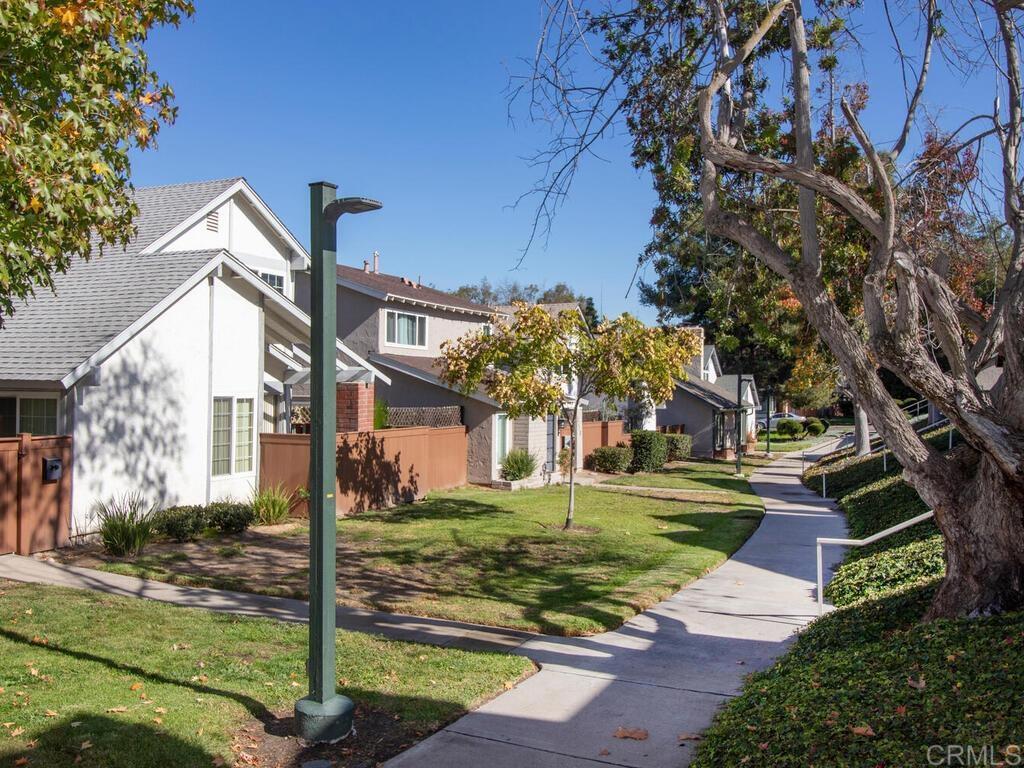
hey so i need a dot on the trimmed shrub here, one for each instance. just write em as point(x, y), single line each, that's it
point(126, 524)
point(518, 465)
point(650, 451)
point(611, 459)
point(789, 427)
point(181, 523)
point(679, 446)
point(271, 506)
point(814, 427)
point(230, 516)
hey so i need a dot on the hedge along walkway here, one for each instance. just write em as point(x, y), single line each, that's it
point(624, 698)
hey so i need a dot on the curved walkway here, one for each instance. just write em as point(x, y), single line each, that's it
point(666, 671)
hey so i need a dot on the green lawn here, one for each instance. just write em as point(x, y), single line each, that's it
point(502, 558)
point(92, 680)
point(495, 557)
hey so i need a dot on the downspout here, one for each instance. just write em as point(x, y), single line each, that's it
point(261, 390)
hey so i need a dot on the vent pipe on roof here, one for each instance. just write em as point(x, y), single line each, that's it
point(366, 266)
point(376, 262)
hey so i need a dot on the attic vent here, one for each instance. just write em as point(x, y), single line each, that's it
point(213, 221)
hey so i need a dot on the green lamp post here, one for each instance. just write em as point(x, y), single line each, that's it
point(740, 410)
point(323, 715)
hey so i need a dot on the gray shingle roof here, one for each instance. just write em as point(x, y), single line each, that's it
point(396, 285)
point(52, 333)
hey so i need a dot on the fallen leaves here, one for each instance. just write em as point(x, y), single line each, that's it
point(135, 686)
point(637, 734)
point(117, 710)
point(918, 684)
point(689, 737)
point(862, 730)
point(50, 713)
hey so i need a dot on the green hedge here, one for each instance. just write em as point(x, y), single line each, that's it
point(679, 446)
point(610, 458)
point(182, 523)
point(650, 451)
point(849, 670)
point(895, 566)
point(789, 427)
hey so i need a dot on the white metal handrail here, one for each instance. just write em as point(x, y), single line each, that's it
point(860, 543)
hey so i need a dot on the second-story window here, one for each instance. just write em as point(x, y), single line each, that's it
point(274, 281)
point(406, 329)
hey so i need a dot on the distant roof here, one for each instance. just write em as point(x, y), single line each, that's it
point(728, 381)
point(552, 308)
point(402, 288)
point(716, 393)
point(52, 333)
point(424, 368)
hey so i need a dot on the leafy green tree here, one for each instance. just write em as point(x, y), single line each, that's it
point(509, 292)
point(76, 94)
point(537, 364)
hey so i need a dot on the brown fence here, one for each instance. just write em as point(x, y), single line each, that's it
point(600, 433)
point(34, 512)
point(376, 469)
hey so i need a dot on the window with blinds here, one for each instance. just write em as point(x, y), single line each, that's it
point(221, 449)
point(243, 434)
point(405, 329)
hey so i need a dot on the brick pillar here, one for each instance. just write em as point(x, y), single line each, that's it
point(355, 407)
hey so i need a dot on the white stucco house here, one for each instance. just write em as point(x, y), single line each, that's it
point(166, 360)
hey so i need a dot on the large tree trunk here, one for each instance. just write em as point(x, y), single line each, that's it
point(861, 430)
point(983, 535)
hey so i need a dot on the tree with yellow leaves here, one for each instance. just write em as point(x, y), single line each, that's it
point(76, 94)
point(536, 364)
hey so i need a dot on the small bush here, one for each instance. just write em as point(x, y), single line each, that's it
point(518, 465)
point(230, 516)
point(564, 460)
point(814, 428)
point(650, 451)
point(825, 423)
point(181, 523)
point(126, 524)
point(611, 459)
point(380, 414)
point(789, 427)
point(271, 506)
point(888, 569)
point(679, 446)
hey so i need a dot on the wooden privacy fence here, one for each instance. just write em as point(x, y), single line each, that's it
point(601, 433)
point(375, 470)
point(35, 513)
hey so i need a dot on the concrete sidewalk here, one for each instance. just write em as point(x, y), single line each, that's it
point(667, 670)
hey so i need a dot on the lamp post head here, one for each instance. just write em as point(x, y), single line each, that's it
point(336, 208)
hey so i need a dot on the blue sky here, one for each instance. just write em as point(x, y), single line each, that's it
point(405, 102)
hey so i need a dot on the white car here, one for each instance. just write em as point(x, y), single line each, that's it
point(777, 417)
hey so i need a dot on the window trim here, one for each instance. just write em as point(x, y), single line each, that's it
point(508, 441)
point(417, 315)
point(273, 273)
point(18, 395)
point(233, 436)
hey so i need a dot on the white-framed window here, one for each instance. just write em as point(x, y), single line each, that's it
point(405, 329)
point(232, 439)
point(220, 456)
point(501, 438)
point(243, 434)
point(33, 413)
point(274, 280)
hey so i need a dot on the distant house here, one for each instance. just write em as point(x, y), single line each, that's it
point(398, 324)
point(166, 359)
point(704, 405)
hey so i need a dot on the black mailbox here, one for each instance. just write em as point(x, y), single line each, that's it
point(53, 468)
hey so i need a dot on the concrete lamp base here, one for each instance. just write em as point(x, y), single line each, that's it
point(318, 722)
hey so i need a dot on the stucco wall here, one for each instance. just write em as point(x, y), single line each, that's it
point(441, 326)
point(477, 416)
point(145, 426)
point(695, 414)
